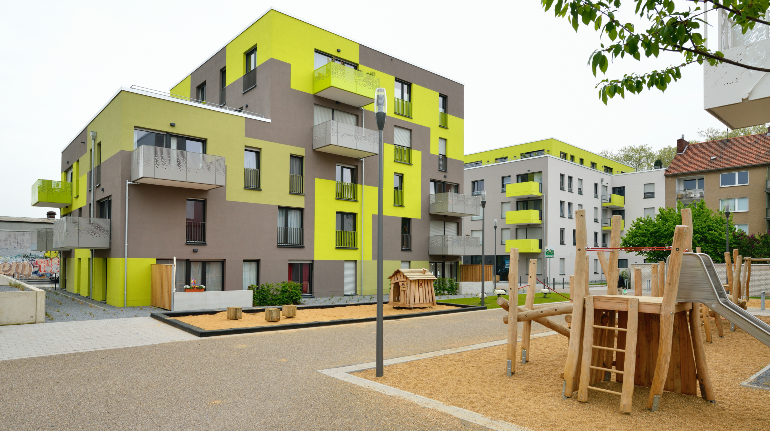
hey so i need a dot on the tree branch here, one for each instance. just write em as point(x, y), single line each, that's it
point(735, 11)
point(722, 59)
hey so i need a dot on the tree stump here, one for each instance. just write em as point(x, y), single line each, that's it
point(234, 313)
point(289, 311)
point(272, 314)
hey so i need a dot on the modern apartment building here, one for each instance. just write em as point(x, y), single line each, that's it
point(534, 195)
point(732, 173)
point(261, 166)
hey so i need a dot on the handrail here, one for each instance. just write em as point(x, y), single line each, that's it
point(346, 239)
point(296, 184)
point(196, 232)
point(251, 178)
point(402, 154)
point(346, 191)
point(290, 236)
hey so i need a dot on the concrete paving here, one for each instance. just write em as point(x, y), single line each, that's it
point(252, 381)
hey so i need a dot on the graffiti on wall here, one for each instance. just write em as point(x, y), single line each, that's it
point(17, 259)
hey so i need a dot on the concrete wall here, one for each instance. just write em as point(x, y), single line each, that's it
point(20, 307)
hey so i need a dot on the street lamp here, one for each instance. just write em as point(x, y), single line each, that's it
point(380, 110)
point(483, 257)
point(494, 276)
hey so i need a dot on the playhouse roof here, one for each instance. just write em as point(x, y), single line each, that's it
point(415, 274)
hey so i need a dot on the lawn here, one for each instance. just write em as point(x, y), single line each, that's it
point(491, 301)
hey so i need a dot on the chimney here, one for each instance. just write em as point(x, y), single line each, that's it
point(51, 214)
point(681, 145)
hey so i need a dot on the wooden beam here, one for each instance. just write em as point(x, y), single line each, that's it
point(629, 365)
point(526, 331)
point(571, 371)
point(735, 290)
point(706, 322)
point(612, 275)
point(553, 310)
point(548, 323)
point(513, 293)
point(654, 280)
point(638, 281)
point(687, 221)
point(729, 270)
point(661, 277)
point(701, 368)
point(588, 342)
point(748, 277)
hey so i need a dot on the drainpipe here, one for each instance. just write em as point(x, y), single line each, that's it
point(125, 253)
point(363, 186)
point(91, 261)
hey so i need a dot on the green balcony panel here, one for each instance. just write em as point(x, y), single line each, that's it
point(528, 189)
point(443, 120)
point(346, 239)
point(346, 191)
point(402, 107)
point(607, 226)
point(398, 198)
point(51, 194)
point(402, 154)
point(613, 201)
point(344, 84)
point(524, 245)
point(523, 217)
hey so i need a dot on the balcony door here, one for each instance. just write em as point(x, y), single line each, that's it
point(349, 277)
point(322, 114)
point(167, 140)
point(196, 221)
point(290, 227)
point(302, 273)
point(440, 227)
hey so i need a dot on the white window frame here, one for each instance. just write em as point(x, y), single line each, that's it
point(744, 230)
point(736, 179)
point(734, 205)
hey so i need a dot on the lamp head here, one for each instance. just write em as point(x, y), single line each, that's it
point(380, 100)
point(495, 223)
point(93, 135)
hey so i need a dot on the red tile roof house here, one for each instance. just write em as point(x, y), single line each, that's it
point(728, 172)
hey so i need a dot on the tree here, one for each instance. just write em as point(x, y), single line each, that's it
point(671, 27)
point(713, 134)
point(640, 157)
point(757, 246)
point(708, 231)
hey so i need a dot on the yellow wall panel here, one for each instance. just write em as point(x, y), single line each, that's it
point(182, 89)
point(412, 184)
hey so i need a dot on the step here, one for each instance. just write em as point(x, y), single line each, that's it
point(606, 369)
point(614, 328)
point(605, 390)
point(609, 348)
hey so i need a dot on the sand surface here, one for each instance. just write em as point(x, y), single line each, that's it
point(219, 320)
point(476, 380)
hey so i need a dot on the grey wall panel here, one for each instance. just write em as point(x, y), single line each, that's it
point(328, 278)
point(75, 150)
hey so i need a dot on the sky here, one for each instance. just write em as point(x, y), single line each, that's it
point(525, 72)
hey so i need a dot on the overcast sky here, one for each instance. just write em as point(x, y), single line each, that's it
point(524, 71)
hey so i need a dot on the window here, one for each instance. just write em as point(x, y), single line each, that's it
point(562, 155)
point(505, 235)
point(346, 183)
point(406, 233)
point(532, 154)
point(302, 273)
point(604, 240)
point(581, 161)
point(596, 239)
point(596, 190)
point(596, 214)
point(620, 191)
point(321, 58)
point(209, 274)
point(580, 186)
point(572, 158)
point(290, 232)
point(251, 169)
point(346, 230)
point(561, 209)
point(251, 60)
point(403, 90)
point(105, 208)
point(200, 92)
point(561, 266)
point(561, 236)
point(322, 114)
point(561, 181)
point(596, 266)
point(446, 269)
point(443, 118)
point(734, 179)
point(250, 78)
point(68, 175)
point(196, 221)
point(743, 227)
point(649, 190)
point(167, 140)
point(593, 165)
point(477, 187)
point(574, 237)
point(505, 182)
point(98, 165)
point(569, 184)
point(437, 186)
point(296, 175)
point(403, 145)
point(250, 273)
point(476, 234)
point(222, 86)
point(504, 208)
point(608, 169)
point(622, 263)
point(693, 184)
point(501, 159)
point(398, 190)
point(649, 212)
point(472, 164)
point(580, 207)
point(736, 204)
point(442, 160)
point(569, 209)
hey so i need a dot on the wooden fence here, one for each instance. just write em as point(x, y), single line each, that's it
point(473, 273)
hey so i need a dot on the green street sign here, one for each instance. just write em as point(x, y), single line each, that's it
point(549, 253)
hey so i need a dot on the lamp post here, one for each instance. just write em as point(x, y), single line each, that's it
point(483, 257)
point(380, 109)
point(494, 276)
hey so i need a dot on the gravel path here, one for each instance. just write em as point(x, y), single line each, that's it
point(9, 289)
point(63, 306)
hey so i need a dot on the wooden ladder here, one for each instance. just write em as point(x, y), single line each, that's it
point(592, 353)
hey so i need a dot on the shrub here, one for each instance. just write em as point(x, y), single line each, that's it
point(445, 286)
point(284, 293)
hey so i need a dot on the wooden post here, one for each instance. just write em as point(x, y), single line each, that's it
point(234, 313)
point(697, 249)
point(513, 296)
point(667, 317)
point(748, 276)
point(729, 270)
point(735, 290)
point(571, 371)
point(701, 368)
point(687, 221)
point(629, 365)
point(706, 322)
point(526, 330)
point(289, 310)
point(654, 280)
point(588, 342)
point(612, 276)
point(272, 314)
point(638, 281)
point(661, 278)
point(602, 262)
point(571, 285)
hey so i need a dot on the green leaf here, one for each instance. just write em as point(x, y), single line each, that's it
point(604, 63)
point(595, 62)
point(598, 23)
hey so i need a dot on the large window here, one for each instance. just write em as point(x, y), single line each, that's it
point(398, 190)
point(290, 227)
point(505, 207)
point(406, 233)
point(167, 140)
point(442, 160)
point(346, 230)
point(743, 227)
point(322, 114)
point(477, 187)
point(403, 90)
point(251, 166)
point(296, 175)
point(402, 139)
point(320, 58)
point(437, 186)
point(346, 183)
point(444, 269)
point(201, 273)
point(250, 273)
point(735, 204)
point(734, 179)
point(105, 208)
point(302, 273)
point(196, 221)
point(693, 184)
point(505, 181)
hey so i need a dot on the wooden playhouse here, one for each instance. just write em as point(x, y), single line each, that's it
point(412, 288)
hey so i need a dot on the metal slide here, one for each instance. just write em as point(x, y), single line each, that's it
point(698, 282)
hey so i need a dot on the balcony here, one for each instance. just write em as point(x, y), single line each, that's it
point(398, 197)
point(442, 162)
point(81, 232)
point(51, 194)
point(177, 168)
point(455, 205)
point(346, 191)
point(344, 84)
point(606, 224)
point(767, 213)
point(529, 189)
point(402, 107)
point(525, 217)
point(345, 140)
point(406, 242)
point(689, 196)
point(251, 179)
point(42, 240)
point(402, 154)
point(443, 120)
point(296, 184)
point(453, 245)
point(346, 239)
point(524, 245)
point(195, 232)
point(290, 237)
point(613, 201)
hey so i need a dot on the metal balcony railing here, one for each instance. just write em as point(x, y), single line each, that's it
point(290, 237)
point(251, 179)
point(249, 80)
point(443, 120)
point(398, 197)
point(177, 168)
point(296, 184)
point(346, 239)
point(569, 215)
point(81, 232)
point(406, 241)
point(561, 187)
point(345, 139)
point(455, 205)
point(606, 222)
point(648, 195)
point(346, 191)
point(402, 154)
point(196, 232)
point(569, 189)
point(580, 190)
point(98, 175)
point(442, 161)
point(344, 84)
point(402, 107)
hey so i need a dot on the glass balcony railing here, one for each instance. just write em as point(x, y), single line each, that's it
point(296, 184)
point(443, 120)
point(251, 179)
point(402, 154)
point(344, 84)
point(526, 189)
point(398, 198)
point(346, 239)
point(346, 191)
point(290, 237)
point(51, 194)
point(402, 107)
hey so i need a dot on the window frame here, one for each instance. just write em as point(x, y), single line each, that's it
point(200, 92)
point(736, 178)
point(203, 221)
point(405, 85)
